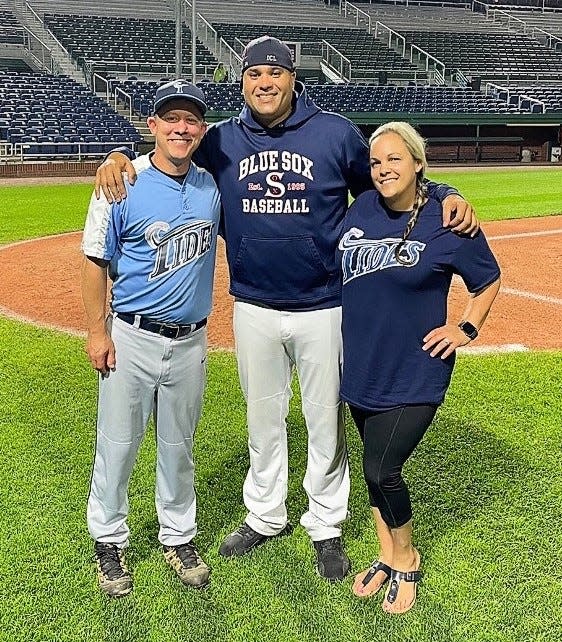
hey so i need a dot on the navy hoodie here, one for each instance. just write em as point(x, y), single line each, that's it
point(284, 193)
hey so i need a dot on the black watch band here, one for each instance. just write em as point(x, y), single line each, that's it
point(470, 330)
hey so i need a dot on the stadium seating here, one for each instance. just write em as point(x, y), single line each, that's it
point(11, 32)
point(111, 41)
point(367, 55)
point(351, 98)
point(493, 55)
point(550, 95)
point(54, 114)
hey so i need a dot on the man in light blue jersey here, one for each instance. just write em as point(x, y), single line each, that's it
point(158, 248)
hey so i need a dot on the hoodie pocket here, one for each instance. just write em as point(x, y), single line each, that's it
point(280, 269)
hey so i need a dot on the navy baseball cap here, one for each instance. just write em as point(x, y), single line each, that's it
point(179, 89)
point(267, 51)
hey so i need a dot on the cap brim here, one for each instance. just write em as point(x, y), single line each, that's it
point(190, 99)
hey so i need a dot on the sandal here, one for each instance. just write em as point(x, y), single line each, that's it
point(375, 567)
point(396, 577)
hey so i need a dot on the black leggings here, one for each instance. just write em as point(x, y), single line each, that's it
point(389, 438)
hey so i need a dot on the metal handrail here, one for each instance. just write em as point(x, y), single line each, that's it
point(327, 47)
point(358, 12)
point(439, 66)
point(380, 26)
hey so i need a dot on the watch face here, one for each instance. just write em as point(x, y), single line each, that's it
point(470, 330)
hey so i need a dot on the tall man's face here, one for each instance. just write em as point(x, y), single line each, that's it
point(268, 92)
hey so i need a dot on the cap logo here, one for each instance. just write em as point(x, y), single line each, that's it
point(271, 58)
point(179, 86)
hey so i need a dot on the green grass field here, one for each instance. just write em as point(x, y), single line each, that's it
point(486, 484)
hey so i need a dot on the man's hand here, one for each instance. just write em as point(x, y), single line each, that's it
point(459, 215)
point(109, 177)
point(101, 352)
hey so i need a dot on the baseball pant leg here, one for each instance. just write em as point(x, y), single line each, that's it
point(316, 350)
point(178, 408)
point(264, 369)
point(124, 405)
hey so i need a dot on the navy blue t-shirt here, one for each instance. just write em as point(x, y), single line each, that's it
point(388, 307)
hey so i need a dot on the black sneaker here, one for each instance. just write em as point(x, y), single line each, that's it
point(113, 575)
point(331, 561)
point(244, 539)
point(187, 564)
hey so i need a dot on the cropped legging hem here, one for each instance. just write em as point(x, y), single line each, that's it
point(389, 438)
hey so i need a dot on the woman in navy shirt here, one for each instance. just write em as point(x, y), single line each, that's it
point(398, 348)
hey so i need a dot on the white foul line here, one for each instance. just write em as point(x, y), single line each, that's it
point(523, 235)
point(506, 347)
point(531, 295)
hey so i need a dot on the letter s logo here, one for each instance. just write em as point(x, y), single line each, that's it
point(276, 188)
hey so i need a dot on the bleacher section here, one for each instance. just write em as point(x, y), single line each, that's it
point(272, 12)
point(110, 42)
point(550, 22)
point(430, 18)
point(45, 115)
point(462, 39)
point(53, 114)
point(11, 32)
point(489, 56)
point(549, 95)
point(345, 98)
point(15, 65)
point(367, 55)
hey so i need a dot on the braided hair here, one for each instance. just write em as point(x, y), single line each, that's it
point(421, 198)
point(416, 146)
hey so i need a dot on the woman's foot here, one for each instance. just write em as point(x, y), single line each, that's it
point(401, 593)
point(370, 581)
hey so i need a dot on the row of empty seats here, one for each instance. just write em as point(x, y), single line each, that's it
point(96, 38)
point(363, 50)
point(346, 98)
point(49, 114)
point(492, 56)
point(550, 95)
point(11, 32)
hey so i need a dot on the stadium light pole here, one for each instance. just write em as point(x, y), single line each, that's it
point(179, 4)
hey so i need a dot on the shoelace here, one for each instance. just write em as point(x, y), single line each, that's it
point(332, 545)
point(110, 563)
point(246, 531)
point(187, 554)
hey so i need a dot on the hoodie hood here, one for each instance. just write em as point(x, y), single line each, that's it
point(303, 109)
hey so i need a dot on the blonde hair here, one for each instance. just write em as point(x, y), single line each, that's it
point(415, 144)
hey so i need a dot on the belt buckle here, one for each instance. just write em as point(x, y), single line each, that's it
point(169, 328)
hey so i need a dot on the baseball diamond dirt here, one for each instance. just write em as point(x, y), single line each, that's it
point(40, 284)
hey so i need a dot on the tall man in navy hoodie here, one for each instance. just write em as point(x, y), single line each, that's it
point(284, 169)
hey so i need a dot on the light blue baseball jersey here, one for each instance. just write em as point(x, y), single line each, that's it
point(160, 243)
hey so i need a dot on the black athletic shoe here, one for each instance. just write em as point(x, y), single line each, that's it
point(244, 539)
point(113, 575)
point(331, 561)
point(187, 564)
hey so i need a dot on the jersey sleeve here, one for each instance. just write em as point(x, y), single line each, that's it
point(475, 262)
point(102, 228)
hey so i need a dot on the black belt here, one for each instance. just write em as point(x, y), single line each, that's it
point(168, 330)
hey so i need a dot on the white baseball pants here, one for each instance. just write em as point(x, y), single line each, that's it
point(156, 375)
point(269, 343)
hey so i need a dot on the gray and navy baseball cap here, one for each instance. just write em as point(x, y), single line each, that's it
point(267, 50)
point(179, 89)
